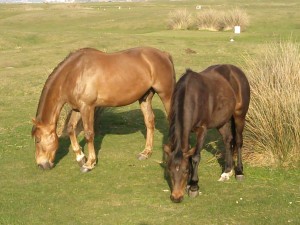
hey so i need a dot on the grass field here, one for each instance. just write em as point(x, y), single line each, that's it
point(34, 38)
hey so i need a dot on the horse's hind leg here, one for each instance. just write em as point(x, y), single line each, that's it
point(146, 108)
point(165, 94)
point(72, 124)
point(239, 127)
point(226, 132)
point(87, 113)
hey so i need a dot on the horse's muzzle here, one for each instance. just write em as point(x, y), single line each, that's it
point(45, 166)
point(176, 199)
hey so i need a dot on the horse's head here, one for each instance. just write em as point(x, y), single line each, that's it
point(46, 144)
point(179, 168)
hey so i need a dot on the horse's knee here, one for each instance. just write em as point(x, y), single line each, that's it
point(89, 135)
point(228, 139)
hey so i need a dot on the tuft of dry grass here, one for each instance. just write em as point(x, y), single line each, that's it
point(235, 17)
point(272, 134)
point(209, 19)
point(179, 19)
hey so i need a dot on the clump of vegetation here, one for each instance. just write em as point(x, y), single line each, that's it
point(235, 17)
point(272, 135)
point(179, 19)
point(208, 19)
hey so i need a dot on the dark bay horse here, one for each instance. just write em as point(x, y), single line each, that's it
point(89, 78)
point(217, 97)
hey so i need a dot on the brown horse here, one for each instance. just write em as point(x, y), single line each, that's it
point(89, 78)
point(217, 97)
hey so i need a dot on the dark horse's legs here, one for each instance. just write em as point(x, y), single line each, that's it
point(239, 127)
point(229, 142)
point(193, 186)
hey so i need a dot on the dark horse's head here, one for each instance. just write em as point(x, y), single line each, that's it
point(179, 168)
point(46, 144)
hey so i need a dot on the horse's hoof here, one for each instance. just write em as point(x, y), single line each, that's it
point(239, 177)
point(193, 194)
point(84, 169)
point(142, 156)
point(222, 179)
point(225, 176)
point(82, 161)
point(187, 189)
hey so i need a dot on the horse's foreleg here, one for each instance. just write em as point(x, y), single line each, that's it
point(146, 108)
point(72, 124)
point(88, 123)
point(193, 187)
point(228, 140)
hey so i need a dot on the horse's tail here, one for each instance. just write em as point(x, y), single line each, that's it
point(233, 132)
point(174, 74)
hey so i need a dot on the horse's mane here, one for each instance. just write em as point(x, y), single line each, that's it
point(176, 115)
point(50, 80)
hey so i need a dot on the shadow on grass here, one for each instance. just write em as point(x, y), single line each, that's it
point(63, 149)
point(110, 121)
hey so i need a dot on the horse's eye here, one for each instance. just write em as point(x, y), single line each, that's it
point(186, 171)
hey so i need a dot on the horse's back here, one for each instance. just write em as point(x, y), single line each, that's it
point(117, 79)
point(208, 100)
point(239, 83)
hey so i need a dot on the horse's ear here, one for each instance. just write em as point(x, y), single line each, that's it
point(167, 149)
point(35, 124)
point(189, 153)
point(33, 130)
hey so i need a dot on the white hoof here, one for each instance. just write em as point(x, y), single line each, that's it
point(226, 176)
point(85, 170)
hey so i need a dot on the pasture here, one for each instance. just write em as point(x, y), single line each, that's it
point(34, 38)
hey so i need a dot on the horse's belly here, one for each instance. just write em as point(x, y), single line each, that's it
point(221, 115)
point(121, 96)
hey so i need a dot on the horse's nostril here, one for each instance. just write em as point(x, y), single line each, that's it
point(176, 200)
point(40, 166)
point(45, 166)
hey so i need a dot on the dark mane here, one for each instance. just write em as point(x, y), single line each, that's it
point(176, 114)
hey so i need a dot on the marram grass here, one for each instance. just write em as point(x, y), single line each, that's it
point(272, 135)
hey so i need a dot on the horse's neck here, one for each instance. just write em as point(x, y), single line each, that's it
point(180, 136)
point(50, 106)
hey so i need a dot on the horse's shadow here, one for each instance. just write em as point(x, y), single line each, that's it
point(111, 121)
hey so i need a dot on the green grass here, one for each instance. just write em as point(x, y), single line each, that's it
point(121, 189)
